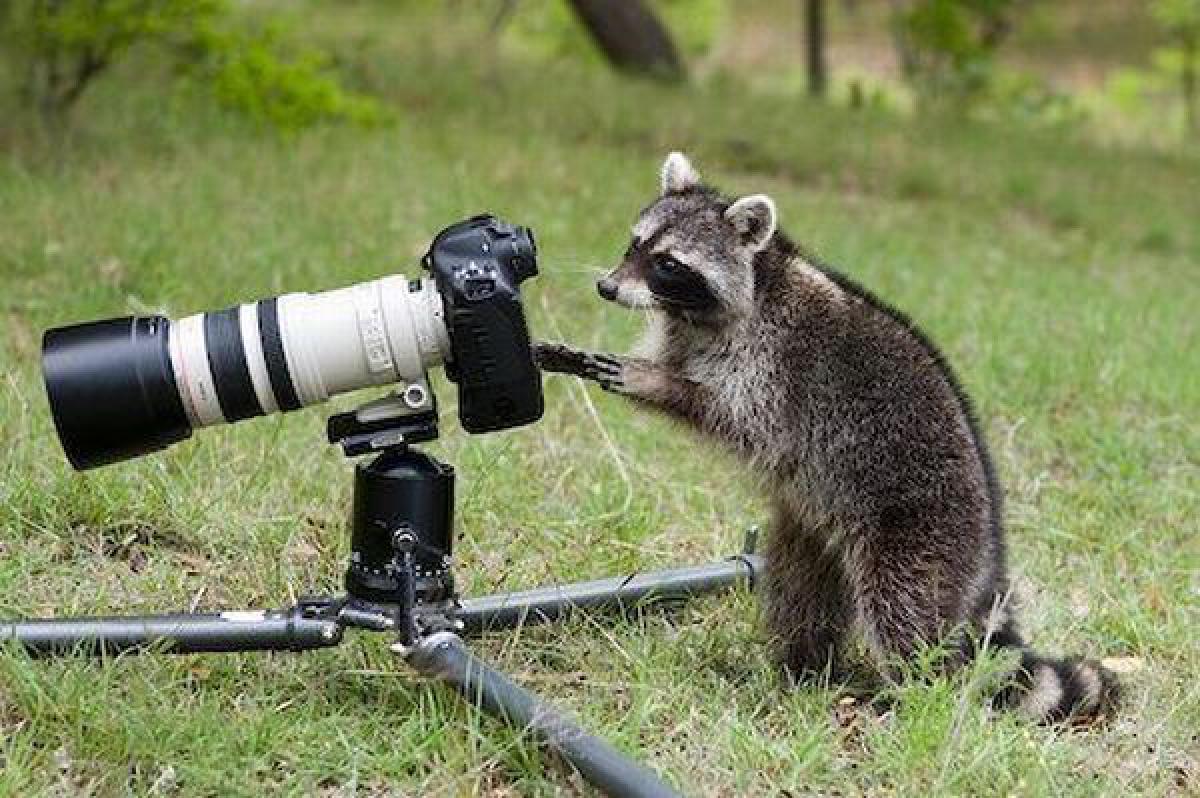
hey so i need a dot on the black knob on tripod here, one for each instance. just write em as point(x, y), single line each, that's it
point(402, 489)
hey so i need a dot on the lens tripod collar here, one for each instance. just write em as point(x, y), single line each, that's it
point(396, 421)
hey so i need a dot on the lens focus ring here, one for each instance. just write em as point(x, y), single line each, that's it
point(273, 352)
point(227, 360)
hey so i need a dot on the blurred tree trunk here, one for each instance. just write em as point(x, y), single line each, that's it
point(631, 37)
point(504, 11)
point(906, 55)
point(1190, 83)
point(814, 47)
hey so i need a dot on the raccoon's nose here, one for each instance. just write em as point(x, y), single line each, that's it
point(607, 287)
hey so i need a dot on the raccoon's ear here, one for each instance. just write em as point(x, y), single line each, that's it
point(678, 174)
point(753, 218)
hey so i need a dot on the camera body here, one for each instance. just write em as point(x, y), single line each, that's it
point(478, 266)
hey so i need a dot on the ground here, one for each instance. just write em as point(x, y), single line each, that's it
point(1060, 278)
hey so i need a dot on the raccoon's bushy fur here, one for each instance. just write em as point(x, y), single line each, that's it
point(887, 511)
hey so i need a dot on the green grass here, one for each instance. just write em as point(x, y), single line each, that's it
point(1060, 278)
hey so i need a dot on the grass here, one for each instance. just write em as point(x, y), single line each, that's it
point(1060, 277)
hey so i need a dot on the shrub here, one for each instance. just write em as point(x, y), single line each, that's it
point(946, 47)
point(1181, 20)
point(56, 49)
point(257, 73)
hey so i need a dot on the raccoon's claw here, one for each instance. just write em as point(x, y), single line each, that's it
point(605, 370)
point(608, 371)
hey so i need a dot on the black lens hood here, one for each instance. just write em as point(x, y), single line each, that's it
point(112, 390)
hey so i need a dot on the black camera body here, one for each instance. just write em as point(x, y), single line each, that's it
point(478, 265)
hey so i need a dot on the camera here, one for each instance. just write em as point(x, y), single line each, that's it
point(120, 388)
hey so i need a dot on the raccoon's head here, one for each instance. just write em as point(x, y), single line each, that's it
point(692, 253)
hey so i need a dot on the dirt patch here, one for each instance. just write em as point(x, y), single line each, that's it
point(132, 543)
point(20, 337)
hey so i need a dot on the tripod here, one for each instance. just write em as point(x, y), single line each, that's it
point(399, 581)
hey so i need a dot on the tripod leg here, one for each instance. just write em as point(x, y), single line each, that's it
point(245, 630)
point(621, 593)
point(443, 655)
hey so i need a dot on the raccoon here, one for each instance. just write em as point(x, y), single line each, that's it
point(887, 511)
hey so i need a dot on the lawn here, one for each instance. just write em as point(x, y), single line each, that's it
point(1061, 278)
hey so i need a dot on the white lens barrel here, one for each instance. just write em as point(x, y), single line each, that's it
point(283, 353)
point(372, 333)
point(189, 361)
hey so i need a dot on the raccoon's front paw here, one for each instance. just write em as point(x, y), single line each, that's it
point(558, 358)
point(562, 359)
point(605, 370)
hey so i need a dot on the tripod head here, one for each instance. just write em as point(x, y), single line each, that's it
point(402, 529)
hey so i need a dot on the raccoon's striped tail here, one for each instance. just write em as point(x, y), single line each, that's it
point(1051, 690)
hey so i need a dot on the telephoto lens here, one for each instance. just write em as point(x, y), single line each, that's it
point(121, 388)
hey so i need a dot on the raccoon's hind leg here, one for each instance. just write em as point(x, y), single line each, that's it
point(909, 586)
point(807, 609)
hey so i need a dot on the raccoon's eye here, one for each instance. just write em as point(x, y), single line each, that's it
point(667, 266)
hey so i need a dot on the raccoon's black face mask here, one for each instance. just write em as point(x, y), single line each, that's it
point(675, 285)
point(651, 277)
point(692, 251)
